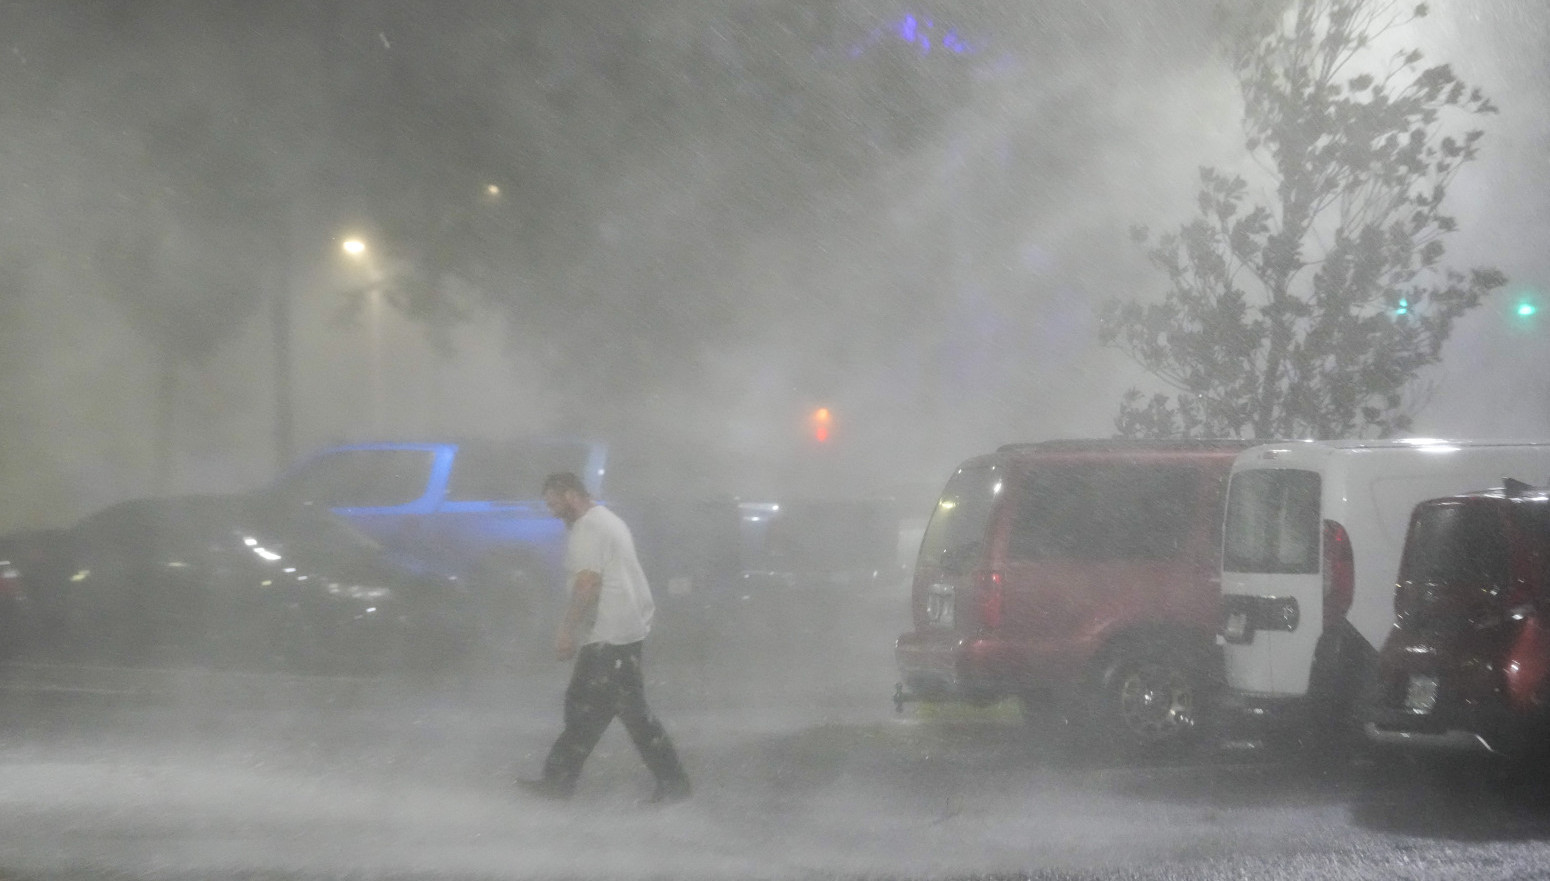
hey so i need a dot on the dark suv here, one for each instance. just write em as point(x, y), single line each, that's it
point(1467, 663)
point(1078, 574)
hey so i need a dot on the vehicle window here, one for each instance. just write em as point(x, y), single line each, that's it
point(480, 475)
point(1273, 522)
point(1456, 543)
point(511, 471)
point(1102, 512)
point(361, 478)
point(956, 533)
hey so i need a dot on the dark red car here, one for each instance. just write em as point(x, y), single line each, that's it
point(1078, 575)
point(1467, 663)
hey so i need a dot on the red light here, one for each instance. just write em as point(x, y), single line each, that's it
point(992, 598)
point(821, 421)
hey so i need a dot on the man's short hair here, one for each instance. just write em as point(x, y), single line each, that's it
point(564, 481)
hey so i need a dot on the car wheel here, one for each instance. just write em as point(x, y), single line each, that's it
point(1148, 697)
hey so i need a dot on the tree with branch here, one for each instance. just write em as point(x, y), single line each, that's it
point(1312, 315)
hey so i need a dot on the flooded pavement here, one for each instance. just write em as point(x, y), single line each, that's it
point(192, 774)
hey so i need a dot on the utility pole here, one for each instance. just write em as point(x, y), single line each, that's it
point(280, 284)
point(309, 135)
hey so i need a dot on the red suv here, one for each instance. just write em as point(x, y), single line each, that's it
point(1083, 573)
point(1467, 663)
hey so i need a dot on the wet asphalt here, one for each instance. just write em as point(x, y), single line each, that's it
point(802, 769)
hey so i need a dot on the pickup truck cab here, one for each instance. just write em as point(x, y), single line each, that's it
point(469, 509)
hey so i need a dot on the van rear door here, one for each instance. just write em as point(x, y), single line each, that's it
point(1272, 583)
point(953, 549)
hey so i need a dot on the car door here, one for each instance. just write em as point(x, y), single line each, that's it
point(1272, 579)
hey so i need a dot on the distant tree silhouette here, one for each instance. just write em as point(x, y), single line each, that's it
point(1311, 314)
point(188, 268)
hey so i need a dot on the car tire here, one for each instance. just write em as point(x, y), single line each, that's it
point(1147, 697)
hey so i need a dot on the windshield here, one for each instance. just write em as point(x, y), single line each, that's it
point(511, 471)
point(1457, 543)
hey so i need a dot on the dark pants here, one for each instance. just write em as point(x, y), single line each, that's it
point(606, 682)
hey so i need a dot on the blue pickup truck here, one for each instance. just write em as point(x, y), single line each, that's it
point(468, 509)
point(472, 510)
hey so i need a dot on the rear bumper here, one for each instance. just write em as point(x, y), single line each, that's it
point(948, 666)
point(1469, 705)
point(1487, 728)
point(1451, 740)
point(939, 669)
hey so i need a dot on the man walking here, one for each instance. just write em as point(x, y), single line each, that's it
point(608, 616)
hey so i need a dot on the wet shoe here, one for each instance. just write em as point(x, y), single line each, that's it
point(547, 789)
point(669, 792)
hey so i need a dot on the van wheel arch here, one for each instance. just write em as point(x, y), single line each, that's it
point(1340, 682)
point(1150, 690)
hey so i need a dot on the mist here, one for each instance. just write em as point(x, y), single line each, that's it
point(894, 232)
point(680, 228)
point(704, 226)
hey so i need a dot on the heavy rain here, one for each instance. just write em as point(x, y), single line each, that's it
point(938, 356)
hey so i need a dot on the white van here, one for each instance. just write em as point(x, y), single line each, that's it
point(1312, 540)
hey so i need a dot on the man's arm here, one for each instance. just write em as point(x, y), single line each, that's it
point(581, 612)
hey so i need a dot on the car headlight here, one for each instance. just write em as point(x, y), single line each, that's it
point(360, 593)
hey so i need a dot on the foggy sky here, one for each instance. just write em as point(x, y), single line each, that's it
point(709, 223)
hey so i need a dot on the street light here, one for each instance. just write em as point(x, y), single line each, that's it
point(355, 248)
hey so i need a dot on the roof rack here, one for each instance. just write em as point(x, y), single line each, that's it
point(1104, 444)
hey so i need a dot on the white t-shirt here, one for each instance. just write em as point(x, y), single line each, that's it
point(600, 542)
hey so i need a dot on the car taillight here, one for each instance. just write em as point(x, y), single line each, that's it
point(1339, 573)
point(991, 597)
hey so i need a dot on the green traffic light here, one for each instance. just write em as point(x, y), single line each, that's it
point(1526, 310)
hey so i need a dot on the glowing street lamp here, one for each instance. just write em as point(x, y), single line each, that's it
point(355, 248)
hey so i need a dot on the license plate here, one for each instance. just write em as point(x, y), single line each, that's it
point(1421, 694)
point(1237, 627)
point(939, 605)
